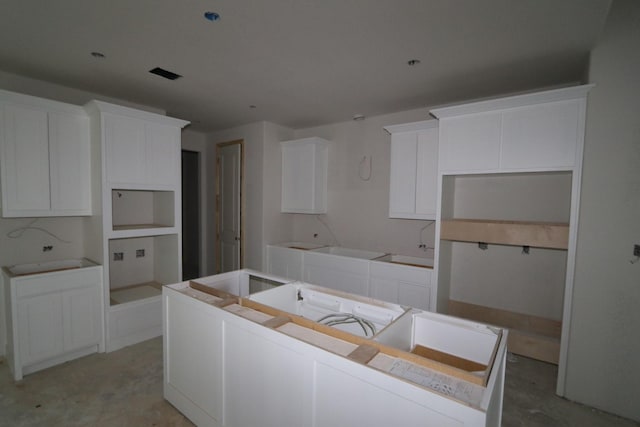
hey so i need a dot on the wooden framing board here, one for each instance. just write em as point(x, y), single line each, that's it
point(382, 348)
point(530, 336)
point(518, 233)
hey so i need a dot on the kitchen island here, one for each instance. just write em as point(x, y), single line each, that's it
point(303, 355)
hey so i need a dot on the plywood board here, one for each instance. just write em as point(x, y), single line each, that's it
point(517, 233)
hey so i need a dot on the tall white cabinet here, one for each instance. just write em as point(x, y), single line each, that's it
point(506, 150)
point(137, 188)
point(44, 160)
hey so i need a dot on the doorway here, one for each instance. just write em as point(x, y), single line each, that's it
point(229, 203)
point(190, 215)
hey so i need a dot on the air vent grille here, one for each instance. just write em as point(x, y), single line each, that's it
point(165, 73)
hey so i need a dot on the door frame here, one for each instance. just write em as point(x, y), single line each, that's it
point(219, 147)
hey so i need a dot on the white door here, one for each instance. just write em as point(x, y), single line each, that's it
point(229, 203)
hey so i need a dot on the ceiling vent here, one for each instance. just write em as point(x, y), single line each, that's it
point(165, 73)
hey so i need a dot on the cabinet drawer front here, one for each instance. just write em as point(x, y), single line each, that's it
point(58, 281)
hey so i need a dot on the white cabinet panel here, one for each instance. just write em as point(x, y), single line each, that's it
point(284, 262)
point(82, 325)
point(401, 284)
point(304, 176)
point(70, 163)
point(40, 330)
point(427, 173)
point(125, 148)
point(45, 157)
point(413, 170)
point(470, 142)
point(336, 272)
point(540, 136)
point(25, 160)
point(162, 154)
point(402, 181)
point(333, 386)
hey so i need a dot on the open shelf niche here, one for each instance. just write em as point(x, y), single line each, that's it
point(142, 209)
point(139, 266)
point(517, 281)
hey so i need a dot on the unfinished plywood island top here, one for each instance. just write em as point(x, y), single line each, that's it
point(300, 354)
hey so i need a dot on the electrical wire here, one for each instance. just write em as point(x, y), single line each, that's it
point(346, 318)
point(328, 229)
point(360, 173)
point(422, 244)
point(18, 232)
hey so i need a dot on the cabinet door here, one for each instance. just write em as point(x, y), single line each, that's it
point(284, 262)
point(25, 160)
point(402, 179)
point(470, 143)
point(540, 136)
point(125, 149)
point(162, 154)
point(335, 272)
point(81, 317)
point(304, 176)
point(427, 173)
point(401, 284)
point(40, 327)
point(70, 160)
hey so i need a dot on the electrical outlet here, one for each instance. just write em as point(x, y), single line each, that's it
point(118, 256)
point(636, 250)
point(47, 248)
point(139, 253)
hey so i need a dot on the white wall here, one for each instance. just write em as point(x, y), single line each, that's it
point(358, 209)
point(603, 367)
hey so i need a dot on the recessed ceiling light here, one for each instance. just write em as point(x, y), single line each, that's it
point(253, 107)
point(413, 62)
point(212, 16)
point(98, 55)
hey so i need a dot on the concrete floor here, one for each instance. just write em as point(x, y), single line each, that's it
point(124, 388)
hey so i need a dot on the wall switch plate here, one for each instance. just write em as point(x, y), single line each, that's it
point(118, 256)
point(636, 250)
point(139, 253)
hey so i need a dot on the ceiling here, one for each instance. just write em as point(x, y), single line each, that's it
point(300, 63)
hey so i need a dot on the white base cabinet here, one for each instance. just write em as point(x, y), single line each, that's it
point(224, 369)
point(52, 317)
point(401, 284)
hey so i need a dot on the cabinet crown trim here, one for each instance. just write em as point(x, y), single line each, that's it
point(412, 127)
point(105, 107)
point(514, 101)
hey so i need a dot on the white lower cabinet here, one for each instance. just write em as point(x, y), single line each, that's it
point(337, 272)
point(284, 262)
point(400, 284)
point(52, 317)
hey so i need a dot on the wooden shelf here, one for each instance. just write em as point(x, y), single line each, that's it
point(518, 233)
point(529, 336)
point(138, 226)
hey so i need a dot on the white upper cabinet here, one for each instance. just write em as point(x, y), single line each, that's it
point(142, 150)
point(532, 132)
point(304, 175)
point(413, 170)
point(45, 157)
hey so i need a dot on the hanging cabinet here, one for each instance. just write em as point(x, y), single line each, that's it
point(45, 157)
point(413, 170)
point(304, 175)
